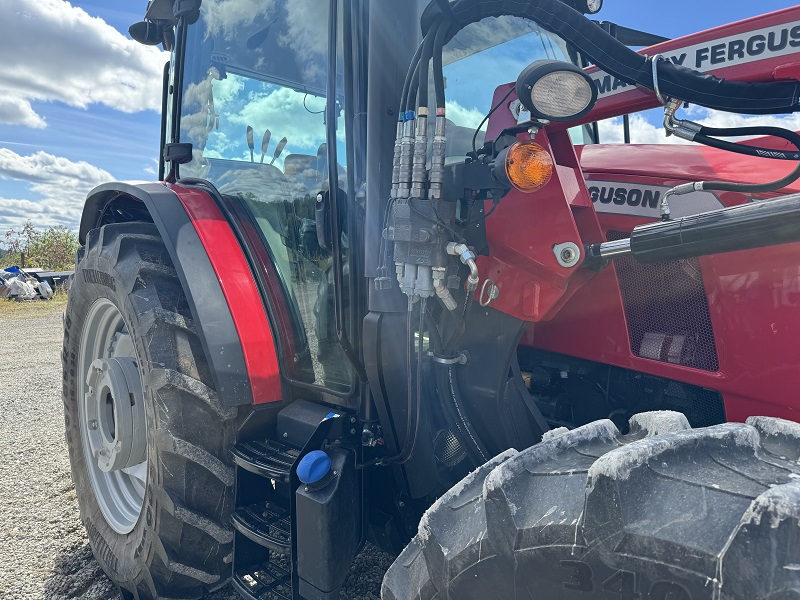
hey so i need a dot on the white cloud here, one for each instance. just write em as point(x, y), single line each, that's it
point(227, 17)
point(18, 111)
point(305, 130)
point(464, 117)
point(63, 54)
point(642, 132)
point(15, 213)
point(62, 184)
point(307, 35)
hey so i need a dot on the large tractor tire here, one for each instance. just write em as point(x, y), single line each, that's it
point(663, 513)
point(148, 439)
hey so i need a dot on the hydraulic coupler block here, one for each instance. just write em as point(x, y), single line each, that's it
point(420, 242)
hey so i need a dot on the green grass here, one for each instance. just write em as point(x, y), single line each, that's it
point(35, 308)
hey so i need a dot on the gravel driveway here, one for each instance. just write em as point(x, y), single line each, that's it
point(43, 547)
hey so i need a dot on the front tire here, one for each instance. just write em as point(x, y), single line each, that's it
point(170, 476)
point(664, 513)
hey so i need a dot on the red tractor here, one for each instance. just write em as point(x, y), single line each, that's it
point(518, 358)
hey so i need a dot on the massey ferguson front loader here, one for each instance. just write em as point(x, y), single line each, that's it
point(392, 287)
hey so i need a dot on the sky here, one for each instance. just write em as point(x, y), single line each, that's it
point(79, 100)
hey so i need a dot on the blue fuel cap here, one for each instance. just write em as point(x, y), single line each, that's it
point(313, 467)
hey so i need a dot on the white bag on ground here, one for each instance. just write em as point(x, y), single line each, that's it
point(45, 291)
point(21, 289)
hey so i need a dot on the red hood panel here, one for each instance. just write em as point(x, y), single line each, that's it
point(684, 162)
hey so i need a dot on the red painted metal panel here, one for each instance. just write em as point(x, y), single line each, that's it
point(754, 304)
point(524, 230)
point(671, 164)
point(241, 293)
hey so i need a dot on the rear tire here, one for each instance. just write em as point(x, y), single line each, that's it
point(664, 513)
point(181, 544)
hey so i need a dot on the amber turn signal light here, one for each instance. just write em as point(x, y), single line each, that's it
point(525, 166)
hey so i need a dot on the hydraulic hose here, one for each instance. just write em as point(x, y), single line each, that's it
point(425, 62)
point(412, 74)
point(438, 69)
point(623, 63)
point(414, 405)
point(453, 406)
point(706, 133)
point(704, 137)
point(450, 399)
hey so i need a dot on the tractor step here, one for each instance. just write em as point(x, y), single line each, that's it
point(267, 458)
point(267, 582)
point(265, 542)
point(266, 524)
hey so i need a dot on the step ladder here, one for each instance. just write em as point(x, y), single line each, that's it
point(262, 520)
point(265, 556)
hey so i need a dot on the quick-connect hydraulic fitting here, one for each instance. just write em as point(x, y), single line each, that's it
point(406, 155)
point(438, 157)
point(423, 285)
point(416, 281)
point(441, 289)
point(680, 190)
point(400, 273)
point(419, 173)
point(686, 130)
point(398, 143)
point(467, 257)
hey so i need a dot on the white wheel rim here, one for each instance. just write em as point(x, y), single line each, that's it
point(111, 416)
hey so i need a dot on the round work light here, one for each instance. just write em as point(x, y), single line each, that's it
point(555, 90)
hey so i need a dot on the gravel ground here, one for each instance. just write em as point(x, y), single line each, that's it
point(43, 547)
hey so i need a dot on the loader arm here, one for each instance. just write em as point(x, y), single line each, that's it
point(762, 49)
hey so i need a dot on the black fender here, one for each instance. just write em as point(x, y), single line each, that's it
point(120, 202)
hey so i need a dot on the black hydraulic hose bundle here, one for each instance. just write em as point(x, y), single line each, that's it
point(450, 398)
point(412, 75)
point(623, 63)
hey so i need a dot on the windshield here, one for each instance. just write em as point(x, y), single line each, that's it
point(255, 76)
point(483, 56)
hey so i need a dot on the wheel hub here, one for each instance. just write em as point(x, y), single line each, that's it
point(115, 414)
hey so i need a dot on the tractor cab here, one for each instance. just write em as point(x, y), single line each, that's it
point(249, 94)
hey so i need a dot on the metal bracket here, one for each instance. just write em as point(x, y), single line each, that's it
point(460, 359)
point(656, 87)
point(489, 292)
